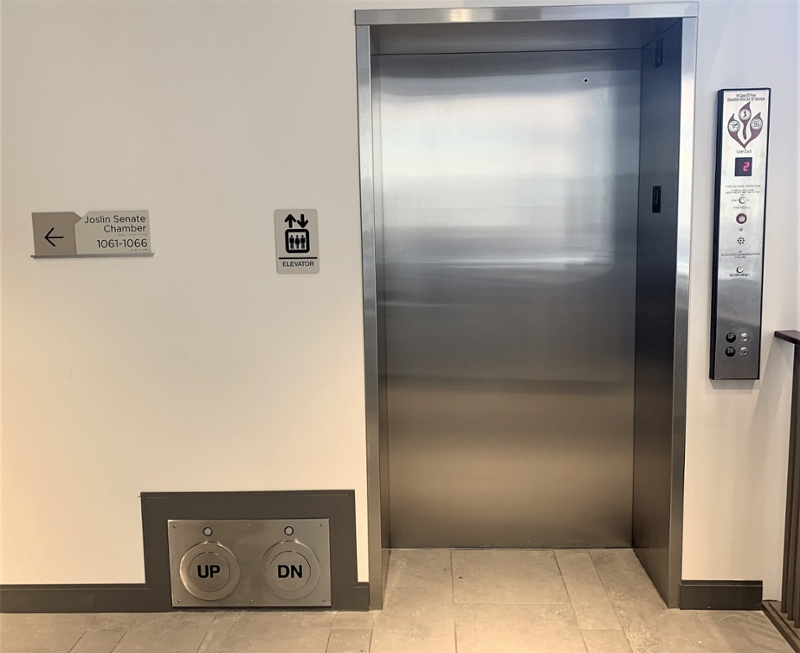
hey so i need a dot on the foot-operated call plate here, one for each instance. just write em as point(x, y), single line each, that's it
point(98, 233)
point(256, 563)
point(742, 144)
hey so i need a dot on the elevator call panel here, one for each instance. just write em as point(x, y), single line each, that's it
point(740, 203)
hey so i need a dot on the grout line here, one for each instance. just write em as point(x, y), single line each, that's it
point(371, 634)
point(563, 582)
point(571, 602)
point(452, 579)
point(205, 637)
point(78, 641)
point(453, 596)
point(608, 596)
point(511, 603)
point(123, 637)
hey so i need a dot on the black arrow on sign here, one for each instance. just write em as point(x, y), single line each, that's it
point(291, 220)
point(302, 221)
point(49, 238)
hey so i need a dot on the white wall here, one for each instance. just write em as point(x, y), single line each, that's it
point(737, 432)
point(201, 368)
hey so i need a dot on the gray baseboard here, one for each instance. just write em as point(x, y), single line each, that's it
point(721, 594)
point(157, 508)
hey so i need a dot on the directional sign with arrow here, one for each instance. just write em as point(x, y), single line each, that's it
point(98, 233)
point(296, 245)
point(49, 237)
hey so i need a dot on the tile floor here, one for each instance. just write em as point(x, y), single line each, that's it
point(437, 601)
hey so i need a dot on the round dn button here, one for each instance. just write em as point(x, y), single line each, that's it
point(209, 572)
point(289, 571)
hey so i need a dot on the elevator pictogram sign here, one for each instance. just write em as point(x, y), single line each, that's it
point(296, 245)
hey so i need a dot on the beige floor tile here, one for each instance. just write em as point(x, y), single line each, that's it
point(507, 576)
point(349, 640)
point(746, 632)
point(517, 629)
point(419, 568)
point(433, 596)
point(624, 578)
point(219, 630)
point(671, 631)
point(420, 616)
point(42, 633)
point(606, 641)
point(114, 620)
point(275, 632)
point(589, 599)
point(98, 641)
point(414, 620)
point(359, 620)
point(166, 633)
point(649, 626)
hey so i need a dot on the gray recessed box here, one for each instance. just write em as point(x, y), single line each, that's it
point(250, 563)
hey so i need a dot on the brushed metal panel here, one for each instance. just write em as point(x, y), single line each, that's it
point(374, 390)
point(509, 186)
point(542, 36)
point(739, 225)
point(522, 13)
point(242, 550)
point(656, 296)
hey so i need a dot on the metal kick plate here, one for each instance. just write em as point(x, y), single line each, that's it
point(739, 233)
point(250, 563)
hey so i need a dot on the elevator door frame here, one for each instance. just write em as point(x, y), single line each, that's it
point(370, 207)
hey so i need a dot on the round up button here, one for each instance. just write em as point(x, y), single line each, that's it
point(290, 570)
point(209, 571)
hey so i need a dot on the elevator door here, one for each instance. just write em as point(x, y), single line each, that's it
point(509, 186)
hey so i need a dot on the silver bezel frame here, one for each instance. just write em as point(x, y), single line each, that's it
point(366, 18)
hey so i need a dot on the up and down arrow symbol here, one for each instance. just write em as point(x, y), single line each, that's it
point(291, 220)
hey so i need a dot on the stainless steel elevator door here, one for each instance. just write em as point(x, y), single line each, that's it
point(509, 186)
